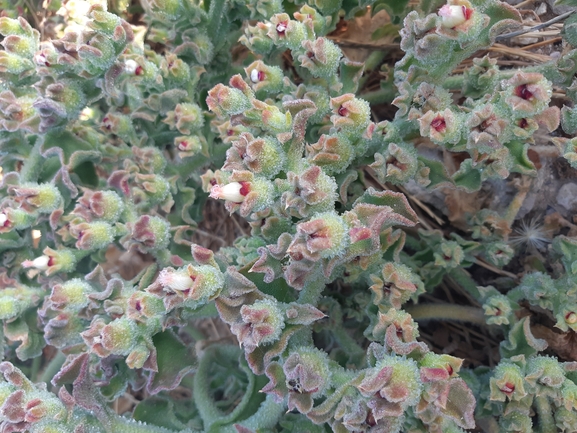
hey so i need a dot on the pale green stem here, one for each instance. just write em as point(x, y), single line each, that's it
point(31, 167)
point(545, 413)
point(34, 368)
point(53, 367)
point(460, 313)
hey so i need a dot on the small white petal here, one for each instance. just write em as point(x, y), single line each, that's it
point(130, 66)
point(254, 76)
point(3, 219)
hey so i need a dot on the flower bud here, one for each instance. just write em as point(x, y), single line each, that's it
point(63, 260)
point(15, 300)
point(321, 58)
point(93, 236)
point(332, 152)
point(154, 188)
point(324, 236)
point(351, 115)
point(544, 371)
point(397, 164)
point(43, 198)
point(191, 145)
point(16, 219)
point(103, 21)
point(262, 156)
point(105, 205)
point(175, 69)
point(143, 305)
point(286, 32)
point(507, 383)
point(441, 127)
point(307, 377)
point(498, 310)
point(392, 385)
point(186, 117)
point(20, 45)
point(14, 64)
point(308, 192)
point(73, 295)
point(118, 337)
point(224, 100)
point(151, 232)
point(265, 78)
point(255, 38)
point(262, 323)
point(149, 159)
point(527, 94)
point(119, 124)
point(395, 285)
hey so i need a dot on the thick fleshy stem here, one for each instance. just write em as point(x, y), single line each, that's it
point(460, 313)
point(31, 167)
point(544, 411)
point(53, 367)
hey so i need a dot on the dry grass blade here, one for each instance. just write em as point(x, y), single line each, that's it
point(518, 52)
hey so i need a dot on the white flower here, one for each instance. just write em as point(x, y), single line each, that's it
point(452, 16)
point(130, 66)
point(3, 219)
point(175, 280)
point(254, 76)
point(40, 263)
point(230, 192)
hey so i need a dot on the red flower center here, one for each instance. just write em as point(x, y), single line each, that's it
point(244, 188)
point(523, 92)
point(467, 12)
point(508, 388)
point(139, 70)
point(281, 27)
point(343, 111)
point(439, 124)
point(523, 123)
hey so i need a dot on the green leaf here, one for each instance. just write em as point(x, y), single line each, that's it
point(174, 360)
